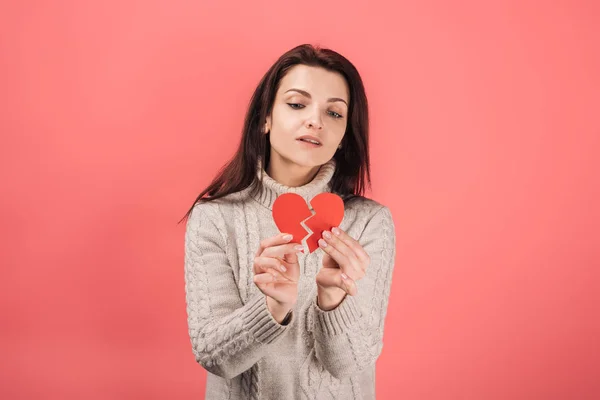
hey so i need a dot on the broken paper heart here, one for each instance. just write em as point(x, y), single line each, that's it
point(292, 215)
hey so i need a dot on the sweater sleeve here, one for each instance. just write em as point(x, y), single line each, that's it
point(349, 338)
point(227, 337)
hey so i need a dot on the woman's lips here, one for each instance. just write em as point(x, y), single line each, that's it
point(308, 144)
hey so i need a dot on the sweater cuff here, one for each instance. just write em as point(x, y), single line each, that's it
point(339, 320)
point(259, 321)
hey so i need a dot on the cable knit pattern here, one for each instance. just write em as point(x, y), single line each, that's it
point(318, 354)
point(350, 337)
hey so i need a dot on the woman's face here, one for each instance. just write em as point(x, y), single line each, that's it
point(310, 101)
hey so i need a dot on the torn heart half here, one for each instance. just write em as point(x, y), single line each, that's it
point(292, 215)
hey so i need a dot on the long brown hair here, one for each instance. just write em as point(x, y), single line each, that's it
point(352, 173)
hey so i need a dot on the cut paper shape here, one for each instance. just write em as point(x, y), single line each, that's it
point(292, 215)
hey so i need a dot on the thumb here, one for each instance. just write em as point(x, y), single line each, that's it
point(291, 258)
point(332, 277)
point(329, 262)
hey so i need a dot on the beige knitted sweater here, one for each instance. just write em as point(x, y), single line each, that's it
point(318, 354)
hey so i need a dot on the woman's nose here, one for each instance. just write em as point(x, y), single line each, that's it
point(312, 124)
point(314, 121)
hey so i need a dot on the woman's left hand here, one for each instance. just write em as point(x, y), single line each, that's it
point(345, 262)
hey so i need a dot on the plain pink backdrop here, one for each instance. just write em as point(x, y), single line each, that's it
point(485, 137)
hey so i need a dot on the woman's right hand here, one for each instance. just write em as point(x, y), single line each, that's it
point(277, 283)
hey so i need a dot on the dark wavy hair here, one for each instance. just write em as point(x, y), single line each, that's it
point(352, 173)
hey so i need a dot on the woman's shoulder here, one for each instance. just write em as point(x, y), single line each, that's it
point(216, 209)
point(208, 205)
point(368, 218)
point(366, 206)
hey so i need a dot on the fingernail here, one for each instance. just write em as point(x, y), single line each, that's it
point(344, 276)
point(335, 231)
point(287, 237)
point(322, 243)
point(327, 235)
point(299, 248)
point(283, 268)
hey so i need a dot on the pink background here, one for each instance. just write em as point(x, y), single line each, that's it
point(485, 138)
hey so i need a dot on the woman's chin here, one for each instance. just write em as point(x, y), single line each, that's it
point(309, 162)
point(311, 159)
point(305, 159)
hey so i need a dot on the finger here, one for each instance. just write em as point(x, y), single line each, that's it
point(272, 276)
point(265, 264)
point(329, 278)
point(264, 278)
point(338, 257)
point(348, 283)
point(352, 243)
point(345, 256)
point(272, 241)
point(329, 262)
point(280, 251)
point(268, 285)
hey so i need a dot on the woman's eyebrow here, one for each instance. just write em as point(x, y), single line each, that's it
point(305, 93)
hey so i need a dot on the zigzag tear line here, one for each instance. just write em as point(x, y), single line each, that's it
point(307, 229)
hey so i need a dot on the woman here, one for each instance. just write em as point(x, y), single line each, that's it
point(266, 319)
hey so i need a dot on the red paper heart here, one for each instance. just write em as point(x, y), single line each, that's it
point(290, 209)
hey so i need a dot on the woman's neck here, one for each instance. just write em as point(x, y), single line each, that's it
point(290, 174)
point(271, 188)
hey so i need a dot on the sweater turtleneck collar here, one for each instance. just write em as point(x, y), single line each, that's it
point(271, 189)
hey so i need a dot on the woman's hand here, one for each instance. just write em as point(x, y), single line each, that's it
point(344, 262)
point(276, 273)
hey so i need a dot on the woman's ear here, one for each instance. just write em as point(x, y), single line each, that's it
point(267, 126)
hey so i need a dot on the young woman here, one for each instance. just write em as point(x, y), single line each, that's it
point(266, 319)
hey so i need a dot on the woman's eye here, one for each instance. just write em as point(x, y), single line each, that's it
point(297, 106)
